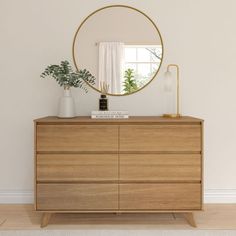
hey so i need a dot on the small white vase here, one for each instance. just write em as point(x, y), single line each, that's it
point(66, 105)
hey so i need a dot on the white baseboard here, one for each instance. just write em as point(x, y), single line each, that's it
point(16, 196)
point(27, 196)
point(220, 196)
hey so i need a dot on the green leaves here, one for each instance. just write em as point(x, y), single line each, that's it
point(130, 84)
point(65, 76)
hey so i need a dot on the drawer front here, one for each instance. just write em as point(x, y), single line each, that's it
point(77, 197)
point(160, 196)
point(77, 167)
point(160, 138)
point(160, 167)
point(77, 138)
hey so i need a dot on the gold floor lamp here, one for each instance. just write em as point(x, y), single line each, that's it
point(168, 74)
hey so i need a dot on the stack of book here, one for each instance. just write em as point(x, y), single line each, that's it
point(109, 114)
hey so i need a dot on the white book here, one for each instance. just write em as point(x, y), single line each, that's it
point(109, 113)
point(106, 116)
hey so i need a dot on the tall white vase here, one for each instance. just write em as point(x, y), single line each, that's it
point(66, 105)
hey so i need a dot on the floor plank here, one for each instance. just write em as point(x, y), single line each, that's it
point(215, 216)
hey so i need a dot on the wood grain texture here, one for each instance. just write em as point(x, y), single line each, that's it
point(77, 138)
point(81, 161)
point(160, 167)
point(35, 165)
point(131, 120)
point(45, 219)
point(77, 196)
point(23, 217)
point(190, 219)
point(160, 138)
point(202, 162)
point(77, 167)
point(160, 196)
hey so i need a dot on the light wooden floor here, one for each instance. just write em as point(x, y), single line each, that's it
point(220, 216)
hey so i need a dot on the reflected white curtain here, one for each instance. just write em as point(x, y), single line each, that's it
point(111, 62)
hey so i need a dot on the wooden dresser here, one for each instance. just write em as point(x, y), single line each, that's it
point(140, 164)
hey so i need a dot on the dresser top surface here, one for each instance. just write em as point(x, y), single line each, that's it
point(131, 119)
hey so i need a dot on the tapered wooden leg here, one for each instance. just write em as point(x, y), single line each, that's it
point(45, 219)
point(190, 219)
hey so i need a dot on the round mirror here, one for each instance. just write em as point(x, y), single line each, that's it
point(121, 47)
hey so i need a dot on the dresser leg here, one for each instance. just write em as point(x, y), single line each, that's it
point(190, 219)
point(45, 219)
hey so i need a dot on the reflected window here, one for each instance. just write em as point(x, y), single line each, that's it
point(143, 60)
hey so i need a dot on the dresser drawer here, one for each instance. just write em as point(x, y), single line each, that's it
point(77, 197)
point(77, 138)
point(160, 167)
point(77, 167)
point(160, 196)
point(160, 138)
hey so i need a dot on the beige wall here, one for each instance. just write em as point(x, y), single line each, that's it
point(198, 35)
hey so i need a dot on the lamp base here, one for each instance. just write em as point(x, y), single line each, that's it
point(171, 115)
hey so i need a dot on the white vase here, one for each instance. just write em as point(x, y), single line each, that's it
point(66, 105)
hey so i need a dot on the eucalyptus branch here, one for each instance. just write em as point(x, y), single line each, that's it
point(65, 76)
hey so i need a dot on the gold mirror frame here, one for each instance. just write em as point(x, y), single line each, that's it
point(111, 6)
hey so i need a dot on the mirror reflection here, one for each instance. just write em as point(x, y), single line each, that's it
point(121, 47)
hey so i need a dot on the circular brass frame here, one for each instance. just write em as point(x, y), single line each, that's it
point(111, 6)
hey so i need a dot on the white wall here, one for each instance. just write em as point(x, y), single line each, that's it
point(198, 35)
